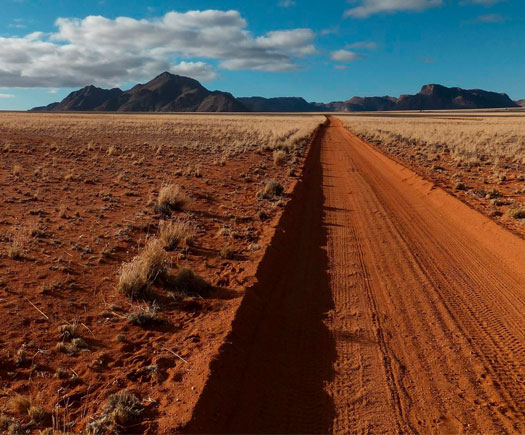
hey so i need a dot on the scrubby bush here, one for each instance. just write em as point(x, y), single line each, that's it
point(272, 189)
point(174, 233)
point(137, 276)
point(170, 198)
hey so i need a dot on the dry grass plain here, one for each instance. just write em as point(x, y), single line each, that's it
point(477, 156)
point(126, 243)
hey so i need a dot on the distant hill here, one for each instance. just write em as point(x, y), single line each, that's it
point(165, 93)
point(521, 103)
point(431, 97)
point(279, 104)
point(172, 93)
point(437, 97)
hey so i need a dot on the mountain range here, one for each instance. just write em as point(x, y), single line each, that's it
point(173, 93)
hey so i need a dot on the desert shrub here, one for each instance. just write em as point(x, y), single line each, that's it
point(517, 213)
point(187, 282)
point(143, 315)
point(493, 193)
point(39, 415)
point(174, 233)
point(68, 331)
point(170, 198)
point(120, 409)
point(137, 276)
point(279, 158)
point(272, 189)
point(460, 186)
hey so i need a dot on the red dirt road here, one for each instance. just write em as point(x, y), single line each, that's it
point(384, 305)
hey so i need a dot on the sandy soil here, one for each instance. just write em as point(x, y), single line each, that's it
point(384, 305)
point(381, 303)
point(78, 213)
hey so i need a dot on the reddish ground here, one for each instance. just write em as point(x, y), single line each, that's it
point(79, 214)
point(382, 304)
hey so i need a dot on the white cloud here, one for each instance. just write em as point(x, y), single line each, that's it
point(7, 96)
point(490, 18)
point(297, 42)
point(345, 56)
point(363, 45)
point(108, 52)
point(480, 2)
point(370, 7)
point(198, 70)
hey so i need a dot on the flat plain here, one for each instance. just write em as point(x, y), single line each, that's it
point(80, 199)
point(263, 274)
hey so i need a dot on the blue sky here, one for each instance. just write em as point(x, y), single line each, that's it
point(322, 52)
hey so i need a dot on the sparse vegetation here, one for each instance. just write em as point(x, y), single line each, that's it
point(137, 276)
point(174, 233)
point(120, 410)
point(78, 217)
point(170, 199)
point(187, 282)
point(272, 190)
point(143, 315)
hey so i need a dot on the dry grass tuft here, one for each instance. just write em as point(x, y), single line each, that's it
point(517, 213)
point(279, 158)
point(143, 315)
point(227, 253)
point(15, 250)
point(39, 415)
point(137, 276)
point(68, 331)
point(170, 198)
point(187, 282)
point(17, 170)
point(173, 233)
point(272, 190)
point(121, 410)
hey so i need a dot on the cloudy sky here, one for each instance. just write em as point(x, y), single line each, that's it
point(323, 51)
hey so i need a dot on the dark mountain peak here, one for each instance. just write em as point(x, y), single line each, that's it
point(279, 104)
point(165, 93)
point(173, 93)
point(174, 81)
point(435, 89)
